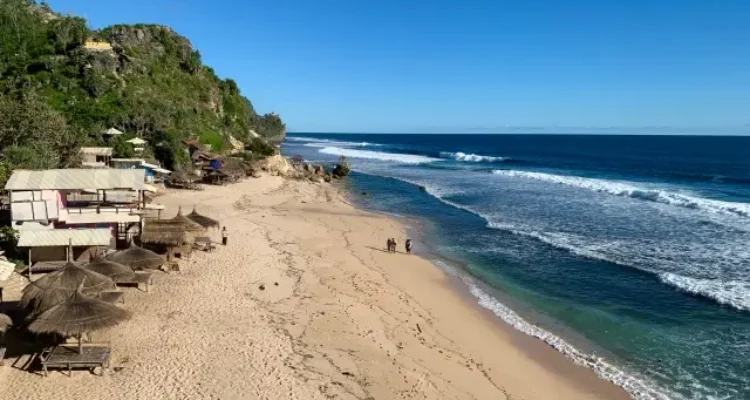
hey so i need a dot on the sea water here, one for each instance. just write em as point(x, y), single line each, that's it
point(629, 254)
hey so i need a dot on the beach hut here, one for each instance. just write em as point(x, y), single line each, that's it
point(78, 315)
point(112, 132)
point(175, 235)
point(137, 258)
point(137, 143)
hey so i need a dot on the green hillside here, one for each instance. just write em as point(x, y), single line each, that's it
point(62, 84)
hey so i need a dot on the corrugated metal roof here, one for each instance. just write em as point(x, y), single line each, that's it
point(103, 218)
point(97, 151)
point(62, 237)
point(69, 179)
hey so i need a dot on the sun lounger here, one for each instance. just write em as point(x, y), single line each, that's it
point(67, 357)
point(112, 297)
point(141, 278)
point(204, 243)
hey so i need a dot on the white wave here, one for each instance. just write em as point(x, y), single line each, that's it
point(732, 292)
point(627, 189)
point(459, 156)
point(377, 155)
point(313, 142)
point(638, 387)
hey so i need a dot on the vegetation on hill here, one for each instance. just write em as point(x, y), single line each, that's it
point(57, 93)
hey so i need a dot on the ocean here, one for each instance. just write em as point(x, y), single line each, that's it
point(630, 254)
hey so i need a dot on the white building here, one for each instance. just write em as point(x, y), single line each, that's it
point(84, 207)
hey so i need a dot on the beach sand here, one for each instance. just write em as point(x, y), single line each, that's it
point(304, 303)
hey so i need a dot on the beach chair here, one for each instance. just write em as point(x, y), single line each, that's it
point(204, 244)
point(67, 357)
point(141, 278)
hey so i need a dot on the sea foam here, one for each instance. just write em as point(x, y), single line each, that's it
point(638, 387)
point(732, 293)
point(377, 155)
point(626, 189)
point(464, 157)
point(314, 142)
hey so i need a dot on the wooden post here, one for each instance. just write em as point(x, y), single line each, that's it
point(30, 272)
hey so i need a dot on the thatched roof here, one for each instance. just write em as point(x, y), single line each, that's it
point(202, 220)
point(57, 286)
point(92, 253)
point(183, 177)
point(165, 232)
point(115, 271)
point(185, 223)
point(137, 258)
point(78, 314)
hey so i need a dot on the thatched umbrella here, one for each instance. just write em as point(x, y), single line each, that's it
point(165, 232)
point(137, 258)
point(203, 220)
point(77, 315)
point(185, 223)
point(115, 271)
point(92, 253)
point(56, 287)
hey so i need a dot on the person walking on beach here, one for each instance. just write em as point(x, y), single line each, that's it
point(224, 235)
point(407, 245)
point(393, 245)
point(389, 245)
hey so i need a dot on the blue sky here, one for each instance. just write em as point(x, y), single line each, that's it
point(468, 66)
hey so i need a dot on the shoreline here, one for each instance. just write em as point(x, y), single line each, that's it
point(534, 347)
point(305, 304)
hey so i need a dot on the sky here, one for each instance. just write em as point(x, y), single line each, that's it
point(469, 66)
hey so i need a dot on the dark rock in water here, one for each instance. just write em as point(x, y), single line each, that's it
point(422, 188)
point(341, 169)
point(364, 193)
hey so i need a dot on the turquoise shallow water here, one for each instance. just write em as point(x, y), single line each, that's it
point(630, 260)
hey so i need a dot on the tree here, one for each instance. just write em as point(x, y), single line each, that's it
point(121, 149)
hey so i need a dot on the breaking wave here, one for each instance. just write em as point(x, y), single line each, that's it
point(313, 142)
point(626, 189)
point(377, 155)
point(640, 388)
point(733, 293)
point(463, 157)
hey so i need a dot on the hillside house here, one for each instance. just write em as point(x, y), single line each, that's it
point(96, 157)
point(96, 45)
point(154, 172)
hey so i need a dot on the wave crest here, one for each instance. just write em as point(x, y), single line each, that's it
point(464, 157)
point(731, 293)
point(377, 155)
point(625, 189)
point(639, 387)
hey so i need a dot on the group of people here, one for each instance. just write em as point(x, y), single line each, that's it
point(391, 245)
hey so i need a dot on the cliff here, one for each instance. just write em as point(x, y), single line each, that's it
point(145, 80)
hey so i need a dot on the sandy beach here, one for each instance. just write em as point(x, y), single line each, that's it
point(304, 303)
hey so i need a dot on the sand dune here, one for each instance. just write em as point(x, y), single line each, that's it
point(302, 304)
